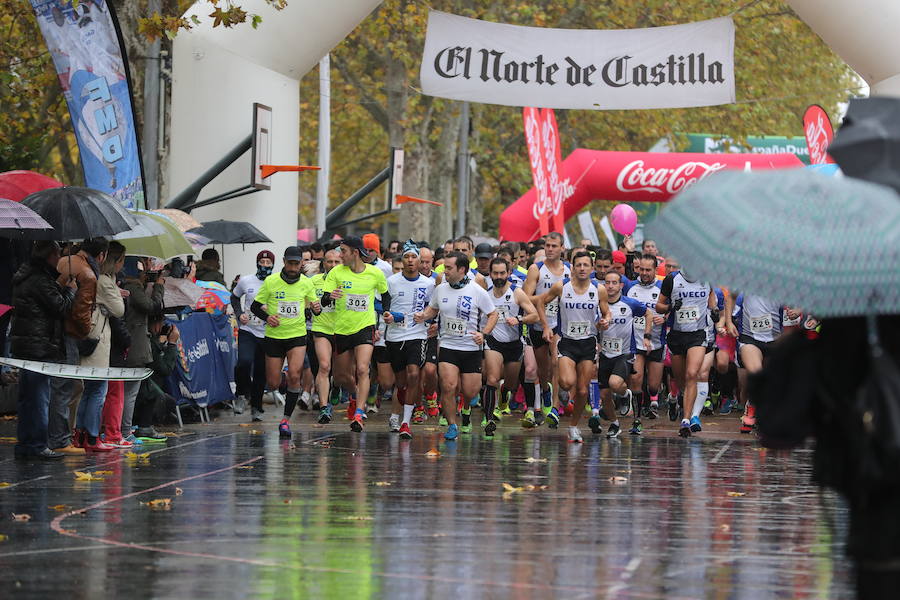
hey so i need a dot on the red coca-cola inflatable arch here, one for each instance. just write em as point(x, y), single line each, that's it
point(588, 175)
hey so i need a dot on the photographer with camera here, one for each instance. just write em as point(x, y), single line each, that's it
point(151, 399)
point(141, 306)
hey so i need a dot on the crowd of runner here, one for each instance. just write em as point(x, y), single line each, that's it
point(536, 330)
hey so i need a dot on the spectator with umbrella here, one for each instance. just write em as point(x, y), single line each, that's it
point(209, 267)
point(37, 333)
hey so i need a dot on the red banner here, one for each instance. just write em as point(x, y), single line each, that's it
point(819, 133)
point(541, 200)
point(553, 163)
point(588, 175)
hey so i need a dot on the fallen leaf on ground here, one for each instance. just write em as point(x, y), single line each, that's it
point(59, 507)
point(255, 432)
point(85, 476)
point(246, 467)
point(724, 527)
point(22, 517)
point(736, 494)
point(178, 491)
point(103, 472)
point(159, 504)
point(429, 429)
point(243, 424)
point(358, 518)
point(532, 459)
point(134, 456)
point(432, 453)
point(288, 501)
point(69, 531)
point(8, 440)
point(8, 418)
point(317, 426)
point(510, 488)
point(3, 538)
point(4, 484)
point(382, 483)
point(618, 480)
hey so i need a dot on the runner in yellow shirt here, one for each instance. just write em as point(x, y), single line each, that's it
point(281, 302)
point(351, 288)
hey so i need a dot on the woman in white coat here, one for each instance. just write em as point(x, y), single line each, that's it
point(109, 303)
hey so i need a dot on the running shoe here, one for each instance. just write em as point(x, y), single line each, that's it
point(239, 404)
point(466, 421)
point(452, 433)
point(716, 399)
point(673, 408)
point(325, 415)
point(394, 423)
point(539, 418)
point(305, 403)
point(575, 435)
point(257, 415)
point(149, 434)
point(405, 433)
point(490, 428)
point(685, 429)
point(612, 431)
point(497, 415)
point(357, 423)
point(431, 405)
point(503, 405)
point(475, 401)
point(695, 425)
point(528, 420)
point(728, 405)
point(351, 410)
point(442, 421)
point(653, 410)
point(595, 424)
point(120, 443)
point(284, 429)
point(372, 409)
point(707, 408)
point(569, 408)
point(419, 415)
point(552, 418)
point(748, 420)
point(547, 397)
point(636, 427)
point(624, 403)
point(134, 441)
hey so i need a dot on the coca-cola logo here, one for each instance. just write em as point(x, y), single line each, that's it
point(817, 138)
point(635, 177)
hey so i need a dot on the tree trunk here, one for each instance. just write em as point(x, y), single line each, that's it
point(444, 172)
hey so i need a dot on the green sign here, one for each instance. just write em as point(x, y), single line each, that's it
point(768, 144)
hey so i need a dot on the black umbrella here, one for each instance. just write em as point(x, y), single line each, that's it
point(867, 146)
point(78, 213)
point(230, 232)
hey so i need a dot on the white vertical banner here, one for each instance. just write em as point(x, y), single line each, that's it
point(588, 231)
point(659, 67)
point(607, 230)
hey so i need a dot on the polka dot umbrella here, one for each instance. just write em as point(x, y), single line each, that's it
point(828, 245)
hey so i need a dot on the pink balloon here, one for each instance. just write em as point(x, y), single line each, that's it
point(623, 219)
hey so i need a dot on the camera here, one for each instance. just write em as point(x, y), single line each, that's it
point(165, 330)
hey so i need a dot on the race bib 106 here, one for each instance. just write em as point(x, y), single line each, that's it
point(453, 326)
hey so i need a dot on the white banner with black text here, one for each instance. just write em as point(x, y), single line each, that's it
point(661, 67)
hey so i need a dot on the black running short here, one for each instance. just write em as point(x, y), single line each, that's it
point(578, 350)
point(380, 355)
point(680, 341)
point(278, 348)
point(621, 365)
point(536, 336)
point(408, 352)
point(467, 361)
point(656, 356)
point(342, 343)
point(431, 350)
point(512, 352)
point(746, 340)
point(324, 336)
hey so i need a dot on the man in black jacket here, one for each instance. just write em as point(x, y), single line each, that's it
point(37, 333)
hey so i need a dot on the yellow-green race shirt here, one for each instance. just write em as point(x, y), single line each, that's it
point(288, 301)
point(324, 322)
point(355, 309)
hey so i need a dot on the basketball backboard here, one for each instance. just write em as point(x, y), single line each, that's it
point(261, 148)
